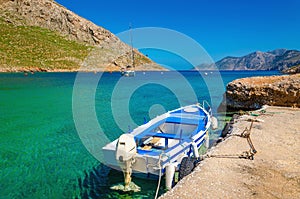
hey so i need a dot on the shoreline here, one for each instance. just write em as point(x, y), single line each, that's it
point(274, 172)
point(2, 70)
point(144, 67)
point(77, 71)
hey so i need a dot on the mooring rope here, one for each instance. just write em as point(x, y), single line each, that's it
point(246, 154)
point(159, 179)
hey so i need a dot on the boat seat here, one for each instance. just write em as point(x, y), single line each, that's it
point(166, 135)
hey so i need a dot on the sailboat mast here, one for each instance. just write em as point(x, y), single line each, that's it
point(131, 43)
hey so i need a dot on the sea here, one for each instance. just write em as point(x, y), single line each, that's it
point(53, 126)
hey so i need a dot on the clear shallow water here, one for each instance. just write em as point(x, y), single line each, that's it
point(41, 154)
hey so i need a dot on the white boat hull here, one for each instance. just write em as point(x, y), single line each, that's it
point(174, 146)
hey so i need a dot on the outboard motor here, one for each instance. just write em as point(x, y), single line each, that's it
point(125, 153)
point(126, 148)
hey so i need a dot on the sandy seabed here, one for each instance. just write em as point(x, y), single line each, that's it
point(274, 172)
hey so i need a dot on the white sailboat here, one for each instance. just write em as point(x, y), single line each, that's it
point(129, 71)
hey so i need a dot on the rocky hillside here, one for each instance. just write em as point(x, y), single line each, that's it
point(292, 70)
point(64, 31)
point(253, 93)
point(278, 59)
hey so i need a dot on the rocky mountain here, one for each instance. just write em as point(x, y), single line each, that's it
point(278, 59)
point(50, 18)
point(289, 59)
point(272, 60)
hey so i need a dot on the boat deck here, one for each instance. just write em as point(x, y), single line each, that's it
point(180, 126)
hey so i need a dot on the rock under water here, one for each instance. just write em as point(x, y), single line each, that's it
point(132, 187)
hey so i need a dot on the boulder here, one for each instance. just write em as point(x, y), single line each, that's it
point(252, 93)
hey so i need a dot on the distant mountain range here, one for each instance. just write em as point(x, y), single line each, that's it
point(278, 59)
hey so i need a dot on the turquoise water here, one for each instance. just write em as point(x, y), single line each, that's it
point(41, 154)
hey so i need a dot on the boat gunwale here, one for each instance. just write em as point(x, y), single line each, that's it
point(163, 118)
point(186, 139)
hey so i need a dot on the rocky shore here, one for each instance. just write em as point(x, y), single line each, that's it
point(144, 67)
point(292, 70)
point(273, 173)
point(252, 93)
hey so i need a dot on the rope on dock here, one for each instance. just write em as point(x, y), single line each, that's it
point(246, 154)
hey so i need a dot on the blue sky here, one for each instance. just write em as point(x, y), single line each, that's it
point(222, 27)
